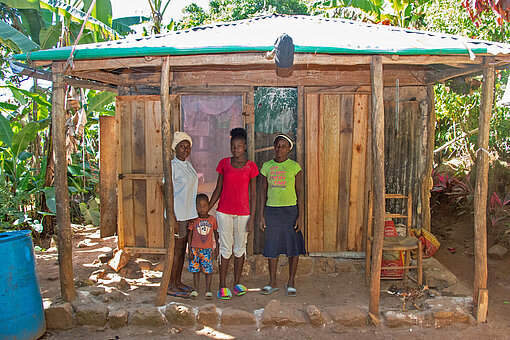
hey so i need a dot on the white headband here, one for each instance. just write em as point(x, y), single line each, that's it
point(284, 136)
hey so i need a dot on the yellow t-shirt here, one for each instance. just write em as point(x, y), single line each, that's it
point(281, 182)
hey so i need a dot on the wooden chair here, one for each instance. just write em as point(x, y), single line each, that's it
point(406, 243)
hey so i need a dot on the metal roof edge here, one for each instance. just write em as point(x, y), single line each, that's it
point(105, 53)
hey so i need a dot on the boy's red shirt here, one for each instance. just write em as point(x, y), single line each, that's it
point(202, 229)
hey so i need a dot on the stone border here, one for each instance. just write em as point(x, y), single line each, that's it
point(439, 312)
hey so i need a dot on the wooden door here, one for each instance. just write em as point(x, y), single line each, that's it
point(140, 174)
point(337, 182)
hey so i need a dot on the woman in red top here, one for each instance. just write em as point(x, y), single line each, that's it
point(236, 190)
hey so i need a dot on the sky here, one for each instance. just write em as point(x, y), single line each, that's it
point(126, 8)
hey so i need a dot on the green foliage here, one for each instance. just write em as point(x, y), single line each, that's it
point(229, 10)
point(458, 100)
point(90, 212)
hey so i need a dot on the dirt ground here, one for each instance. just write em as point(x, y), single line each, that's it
point(320, 290)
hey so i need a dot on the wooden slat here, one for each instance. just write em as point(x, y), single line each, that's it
point(126, 223)
point(330, 168)
point(153, 138)
point(108, 175)
point(344, 176)
point(248, 102)
point(138, 158)
point(361, 111)
point(155, 211)
point(145, 97)
point(367, 220)
point(357, 169)
point(314, 218)
point(144, 250)
point(154, 164)
point(298, 77)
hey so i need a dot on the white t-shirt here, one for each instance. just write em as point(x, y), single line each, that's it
point(185, 182)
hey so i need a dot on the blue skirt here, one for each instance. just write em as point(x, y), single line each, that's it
point(281, 238)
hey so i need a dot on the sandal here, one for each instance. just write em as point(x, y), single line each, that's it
point(183, 295)
point(193, 295)
point(291, 291)
point(240, 289)
point(268, 290)
point(208, 296)
point(224, 294)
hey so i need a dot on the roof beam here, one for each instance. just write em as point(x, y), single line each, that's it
point(297, 77)
point(258, 58)
point(439, 76)
point(101, 76)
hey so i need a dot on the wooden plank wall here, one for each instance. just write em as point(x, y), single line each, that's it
point(140, 169)
point(108, 175)
point(336, 161)
point(405, 142)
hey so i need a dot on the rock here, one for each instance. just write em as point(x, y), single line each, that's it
point(374, 319)
point(348, 315)
point(324, 265)
point(437, 275)
point(80, 282)
point(458, 289)
point(160, 266)
point(147, 316)
point(92, 315)
point(343, 267)
point(119, 260)
point(406, 319)
point(231, 316)
point(283, 265)
point(96, 291)
point(180, 315)
point(117, 296)
point(123, 284)
point(278, 313)
point(247, 269)
point(97, 275)
point(261, 266)
point(497, 252)
point(118, 318)
point(60, 316)
point(208, 315)
point(314, 315)
point(104, 258)
point(144, 264)
point(83, 243)
point(305, 266)
point(449, 310)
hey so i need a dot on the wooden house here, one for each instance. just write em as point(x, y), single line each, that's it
point(358, 100)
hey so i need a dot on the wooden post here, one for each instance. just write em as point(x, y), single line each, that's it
point(481, 183)
point(250, 129)
point(300, 149)
point(65, 236)
point(376, 72)
point(108, 175)
point(168, 185)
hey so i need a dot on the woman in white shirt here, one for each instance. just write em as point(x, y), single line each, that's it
point(185, 184)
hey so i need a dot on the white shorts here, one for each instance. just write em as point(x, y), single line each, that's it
point(233, 234)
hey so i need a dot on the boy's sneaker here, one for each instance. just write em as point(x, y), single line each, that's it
point(240, 289)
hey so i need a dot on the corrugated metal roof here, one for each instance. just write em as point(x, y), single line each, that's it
point(310, 35)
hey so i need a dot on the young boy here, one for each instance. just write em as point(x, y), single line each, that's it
point(201, 243)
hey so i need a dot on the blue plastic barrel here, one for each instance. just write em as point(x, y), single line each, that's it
point(21, 308)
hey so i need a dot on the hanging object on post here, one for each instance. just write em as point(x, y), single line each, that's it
point(505, 101)
point(283, 51)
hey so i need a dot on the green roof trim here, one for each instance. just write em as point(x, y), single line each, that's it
point(106, 53)
point(310, 35)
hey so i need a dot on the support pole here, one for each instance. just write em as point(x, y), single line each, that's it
point(169, 221)
point(481, 184)
point(65, 236)
point(376, 73)
point(250, 129)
